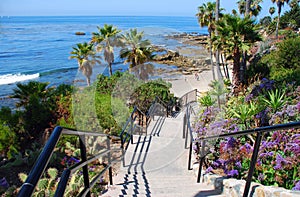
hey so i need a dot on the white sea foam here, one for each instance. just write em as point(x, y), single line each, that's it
point(13, 78)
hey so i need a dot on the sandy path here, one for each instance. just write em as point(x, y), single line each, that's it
point(187, 83)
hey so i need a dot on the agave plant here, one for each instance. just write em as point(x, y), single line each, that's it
point(275, 99)
point(206, 101)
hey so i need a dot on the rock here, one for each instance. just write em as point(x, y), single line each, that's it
point(79, 33)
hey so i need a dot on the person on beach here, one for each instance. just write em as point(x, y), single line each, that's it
point(196, 76)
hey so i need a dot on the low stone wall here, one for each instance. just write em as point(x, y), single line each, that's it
point(235, 188)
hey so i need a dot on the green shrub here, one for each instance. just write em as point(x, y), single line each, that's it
point(284, 62)
point(8, 141)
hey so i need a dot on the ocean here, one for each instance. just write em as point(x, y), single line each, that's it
point(38, 48)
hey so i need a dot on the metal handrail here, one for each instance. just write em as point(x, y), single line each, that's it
point(202, 140)
point(186, 98)
point(41, 163)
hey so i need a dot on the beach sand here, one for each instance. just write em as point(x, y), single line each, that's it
point(187, 83)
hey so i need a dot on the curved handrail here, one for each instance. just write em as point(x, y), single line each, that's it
point(41, 163)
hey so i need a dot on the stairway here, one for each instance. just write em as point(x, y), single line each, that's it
point(156, 165)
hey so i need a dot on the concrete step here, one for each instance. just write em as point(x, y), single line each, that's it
point(177, 191)
point(156, 165)
point(149, 153)
point(165, 127)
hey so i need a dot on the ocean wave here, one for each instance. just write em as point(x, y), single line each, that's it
point(59, 70)
point(13, 78)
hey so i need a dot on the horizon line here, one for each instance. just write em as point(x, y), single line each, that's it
point(96, 16)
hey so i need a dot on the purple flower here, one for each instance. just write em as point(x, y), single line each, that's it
point(4, 183)
point(267, 154)
point(261, 177)
point(232, 173)
point(216, 163)
point(297, 186)
point(73, 159)
point(290, 110)
point(249, 97)
point(279, 162)
point(195, 148)
point(248, 148)
point(209, 169)
point(231, 142)
point(298, 106)
point(259, 162)
point(293, 147)
point(238, 164)
point(221, 161)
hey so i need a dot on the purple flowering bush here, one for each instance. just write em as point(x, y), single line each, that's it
point(260, 105)
point(279, 159)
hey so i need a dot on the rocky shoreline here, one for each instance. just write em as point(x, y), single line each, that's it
point(189, 58)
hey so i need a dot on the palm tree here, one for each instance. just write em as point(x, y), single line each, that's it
point(272, 10)
point(23, 92)
point(137, 50)
point(280, 4)
point(86, 57)
point(218, 10)
point(237, 35)
point(206, 17)
point(249, 7)
point(105, 39)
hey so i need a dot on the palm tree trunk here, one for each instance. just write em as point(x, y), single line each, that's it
point(211, 57)
point(224, 70)
point(88, 81)
point(247, 11)
point(110, 69)
point(278, 19)
point(217, 52)
point(236, 70)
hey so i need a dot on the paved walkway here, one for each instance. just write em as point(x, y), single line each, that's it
point(187, 83)
point(156, 165)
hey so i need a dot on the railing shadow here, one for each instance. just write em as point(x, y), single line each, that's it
point(138, 159)
point(156, 130)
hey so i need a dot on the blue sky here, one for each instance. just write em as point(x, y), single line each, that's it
point(112, 7)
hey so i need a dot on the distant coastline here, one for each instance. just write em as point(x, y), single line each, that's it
point(38, 47)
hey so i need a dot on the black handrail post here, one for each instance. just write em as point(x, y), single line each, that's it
point(202, 157)
point(184, 124)
point(252, 163)
point(190, 156)
point(186, 135)
point(63, 182)
point(40, 164)
point(131, 131)
point(85, 167)
point(109, 160)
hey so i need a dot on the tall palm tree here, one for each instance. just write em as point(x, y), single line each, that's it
point(238, 34)
point(206, 18)
point(280, 4)
point(218, 10)
point(86, 57)
point(137, 50)
point(249, 7)
point(105, 39)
